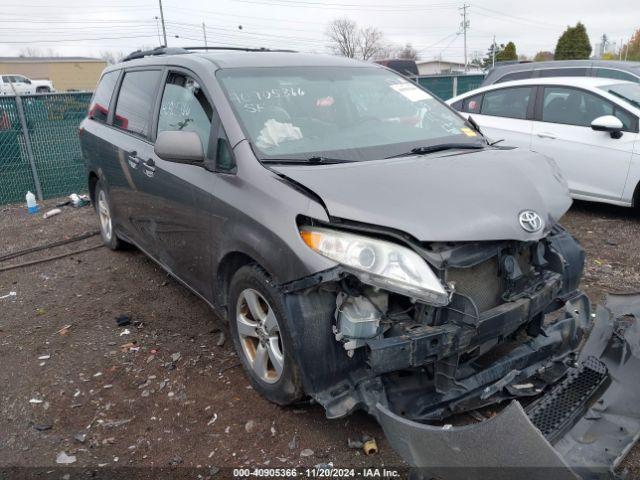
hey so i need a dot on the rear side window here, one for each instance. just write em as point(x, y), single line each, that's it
point(507, 102)
point(617, 74)
point(472, 104)
point(99, 108)
point(563, 72)
point(135, 101)
point(185, 107)
point(516, 76)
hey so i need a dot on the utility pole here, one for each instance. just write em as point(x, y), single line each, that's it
point(204, 32)
point(164, 29)
point(493, 53)
point(465, 26)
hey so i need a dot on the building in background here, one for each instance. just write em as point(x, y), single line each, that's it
point(442, 67)
point(66, 73)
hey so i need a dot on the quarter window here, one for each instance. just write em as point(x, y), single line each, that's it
point(185, 107)
point(507, 102)
point(135, 101)
point(99, 108)
point(578, 107)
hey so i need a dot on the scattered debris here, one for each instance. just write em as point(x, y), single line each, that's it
point(123, 320)
point(41, 427)
point(10, 294)
point(370, 447)
point(52, 212)
point(213, 470)
point(355, 444)
point(221, 339)
point(250, 426)
point(114, 423)
point(64, 330)
point(35, 400)
point(40, 311)
point(213, 420)
point(80, 437)
point(324, 466)
point(44, 357)
point(65, 459)
point(177, 460)
point(79, 200)
point(125, 332)
point(293, 444)
point(307, 452)
point(176, 356)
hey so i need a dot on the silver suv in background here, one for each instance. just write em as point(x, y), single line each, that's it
point(368, 247)
point(629, 71)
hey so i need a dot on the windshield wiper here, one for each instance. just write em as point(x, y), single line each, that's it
point(439, 147)
point(307, 161)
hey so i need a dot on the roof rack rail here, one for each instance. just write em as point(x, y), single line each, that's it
point(163, 50)
point(240, 49)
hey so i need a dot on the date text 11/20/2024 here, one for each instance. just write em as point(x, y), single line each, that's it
point(317, 472)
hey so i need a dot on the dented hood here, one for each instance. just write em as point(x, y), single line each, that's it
point(450, 196)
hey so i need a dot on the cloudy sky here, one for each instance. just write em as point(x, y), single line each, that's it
point(89, 27)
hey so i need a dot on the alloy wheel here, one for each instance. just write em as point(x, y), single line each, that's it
point(259, 335)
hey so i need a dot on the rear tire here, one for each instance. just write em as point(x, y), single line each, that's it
point(258, 326)
point(105, 218)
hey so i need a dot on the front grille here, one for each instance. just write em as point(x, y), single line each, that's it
point(554, 412)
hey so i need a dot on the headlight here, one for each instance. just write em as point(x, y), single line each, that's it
point(379, 263)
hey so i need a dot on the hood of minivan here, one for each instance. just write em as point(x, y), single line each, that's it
point(462, 196)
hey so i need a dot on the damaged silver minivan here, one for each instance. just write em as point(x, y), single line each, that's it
point(370, 249)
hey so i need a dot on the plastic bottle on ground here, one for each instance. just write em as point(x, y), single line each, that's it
point(32, 206)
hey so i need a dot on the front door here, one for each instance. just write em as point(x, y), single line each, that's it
point(594, 163)
point(176, 196)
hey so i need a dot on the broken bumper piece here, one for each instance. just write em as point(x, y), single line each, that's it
point(580, 428)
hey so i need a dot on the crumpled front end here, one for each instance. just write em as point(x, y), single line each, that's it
point(511, 333)
point(582, 427)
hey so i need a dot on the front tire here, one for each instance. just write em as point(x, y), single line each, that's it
point(258, 325)
point(105, 218)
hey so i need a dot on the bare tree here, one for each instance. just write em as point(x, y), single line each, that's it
point(36, 52)
point(343, 35)
point(408, 52)
point(370, 42)
point(111, 57)
point(348, 40)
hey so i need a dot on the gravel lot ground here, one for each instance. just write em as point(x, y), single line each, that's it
point(71, 381)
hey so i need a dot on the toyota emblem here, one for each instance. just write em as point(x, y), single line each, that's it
point(530, 221)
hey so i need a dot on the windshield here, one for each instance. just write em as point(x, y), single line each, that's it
point(351, 113)
point(630, 92)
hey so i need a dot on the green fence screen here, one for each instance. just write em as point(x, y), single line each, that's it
point(52, 121)
point(447, 86)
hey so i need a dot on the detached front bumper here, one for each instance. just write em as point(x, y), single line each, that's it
point(582, 427)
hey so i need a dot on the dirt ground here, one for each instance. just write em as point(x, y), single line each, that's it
point(165, 390)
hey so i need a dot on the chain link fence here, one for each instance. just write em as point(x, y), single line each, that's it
point(39, 145)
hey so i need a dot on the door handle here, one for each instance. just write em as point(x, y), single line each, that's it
point(149, 167)
point(546, 135)
point(133, 159)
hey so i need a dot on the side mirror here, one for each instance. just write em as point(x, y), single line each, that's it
point(180, 147)
point(608, 123)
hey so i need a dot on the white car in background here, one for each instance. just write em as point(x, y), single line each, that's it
point(10, 84)
point(589, 126)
